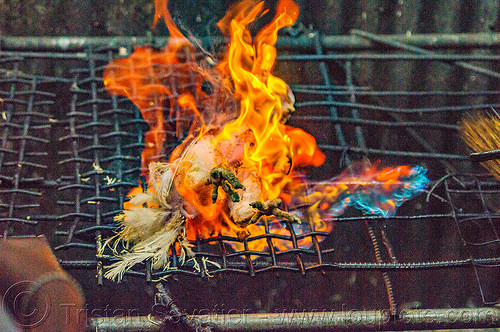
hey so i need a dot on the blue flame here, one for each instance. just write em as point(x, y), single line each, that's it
point(375, 202)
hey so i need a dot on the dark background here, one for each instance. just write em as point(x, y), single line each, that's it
point(110, 18)
point(271, 292)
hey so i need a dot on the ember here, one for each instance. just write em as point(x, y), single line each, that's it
point(239, 159)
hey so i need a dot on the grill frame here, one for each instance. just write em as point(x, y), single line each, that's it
point(89, 85)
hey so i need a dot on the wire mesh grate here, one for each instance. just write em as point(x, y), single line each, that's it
point(476, 220)
point(24, 105)
point(100, 138)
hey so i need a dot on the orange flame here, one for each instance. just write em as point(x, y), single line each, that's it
point(271, 150)
point(250, 64)
point(275, 149)
point(143, 78)
point(149, 77)
point(239, 126)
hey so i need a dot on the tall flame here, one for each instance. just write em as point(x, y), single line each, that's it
point(243, 117)
point(250, 64)
point(144, 79)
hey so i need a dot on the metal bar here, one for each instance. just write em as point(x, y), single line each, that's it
point(300, 263)
point(350, 42)
point(51, 55)
point(385, 274)
point(420, 319)
point(424, 217)
point(333, 110)
point(248, 259)
point(75, 153)
point(478, 157)
point(181, 319)
point(422, 52)
point(398, 110)
point(122, 324)
point(372, 123)
point(260, 266)
point(400, 57)
point(426, 155)
point(269, 240)
point(346, 91)
point(354, 111)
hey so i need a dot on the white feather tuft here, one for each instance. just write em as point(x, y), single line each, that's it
point(152, 230)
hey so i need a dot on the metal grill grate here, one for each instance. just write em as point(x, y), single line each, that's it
point(99, 138)
point(24, 105)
